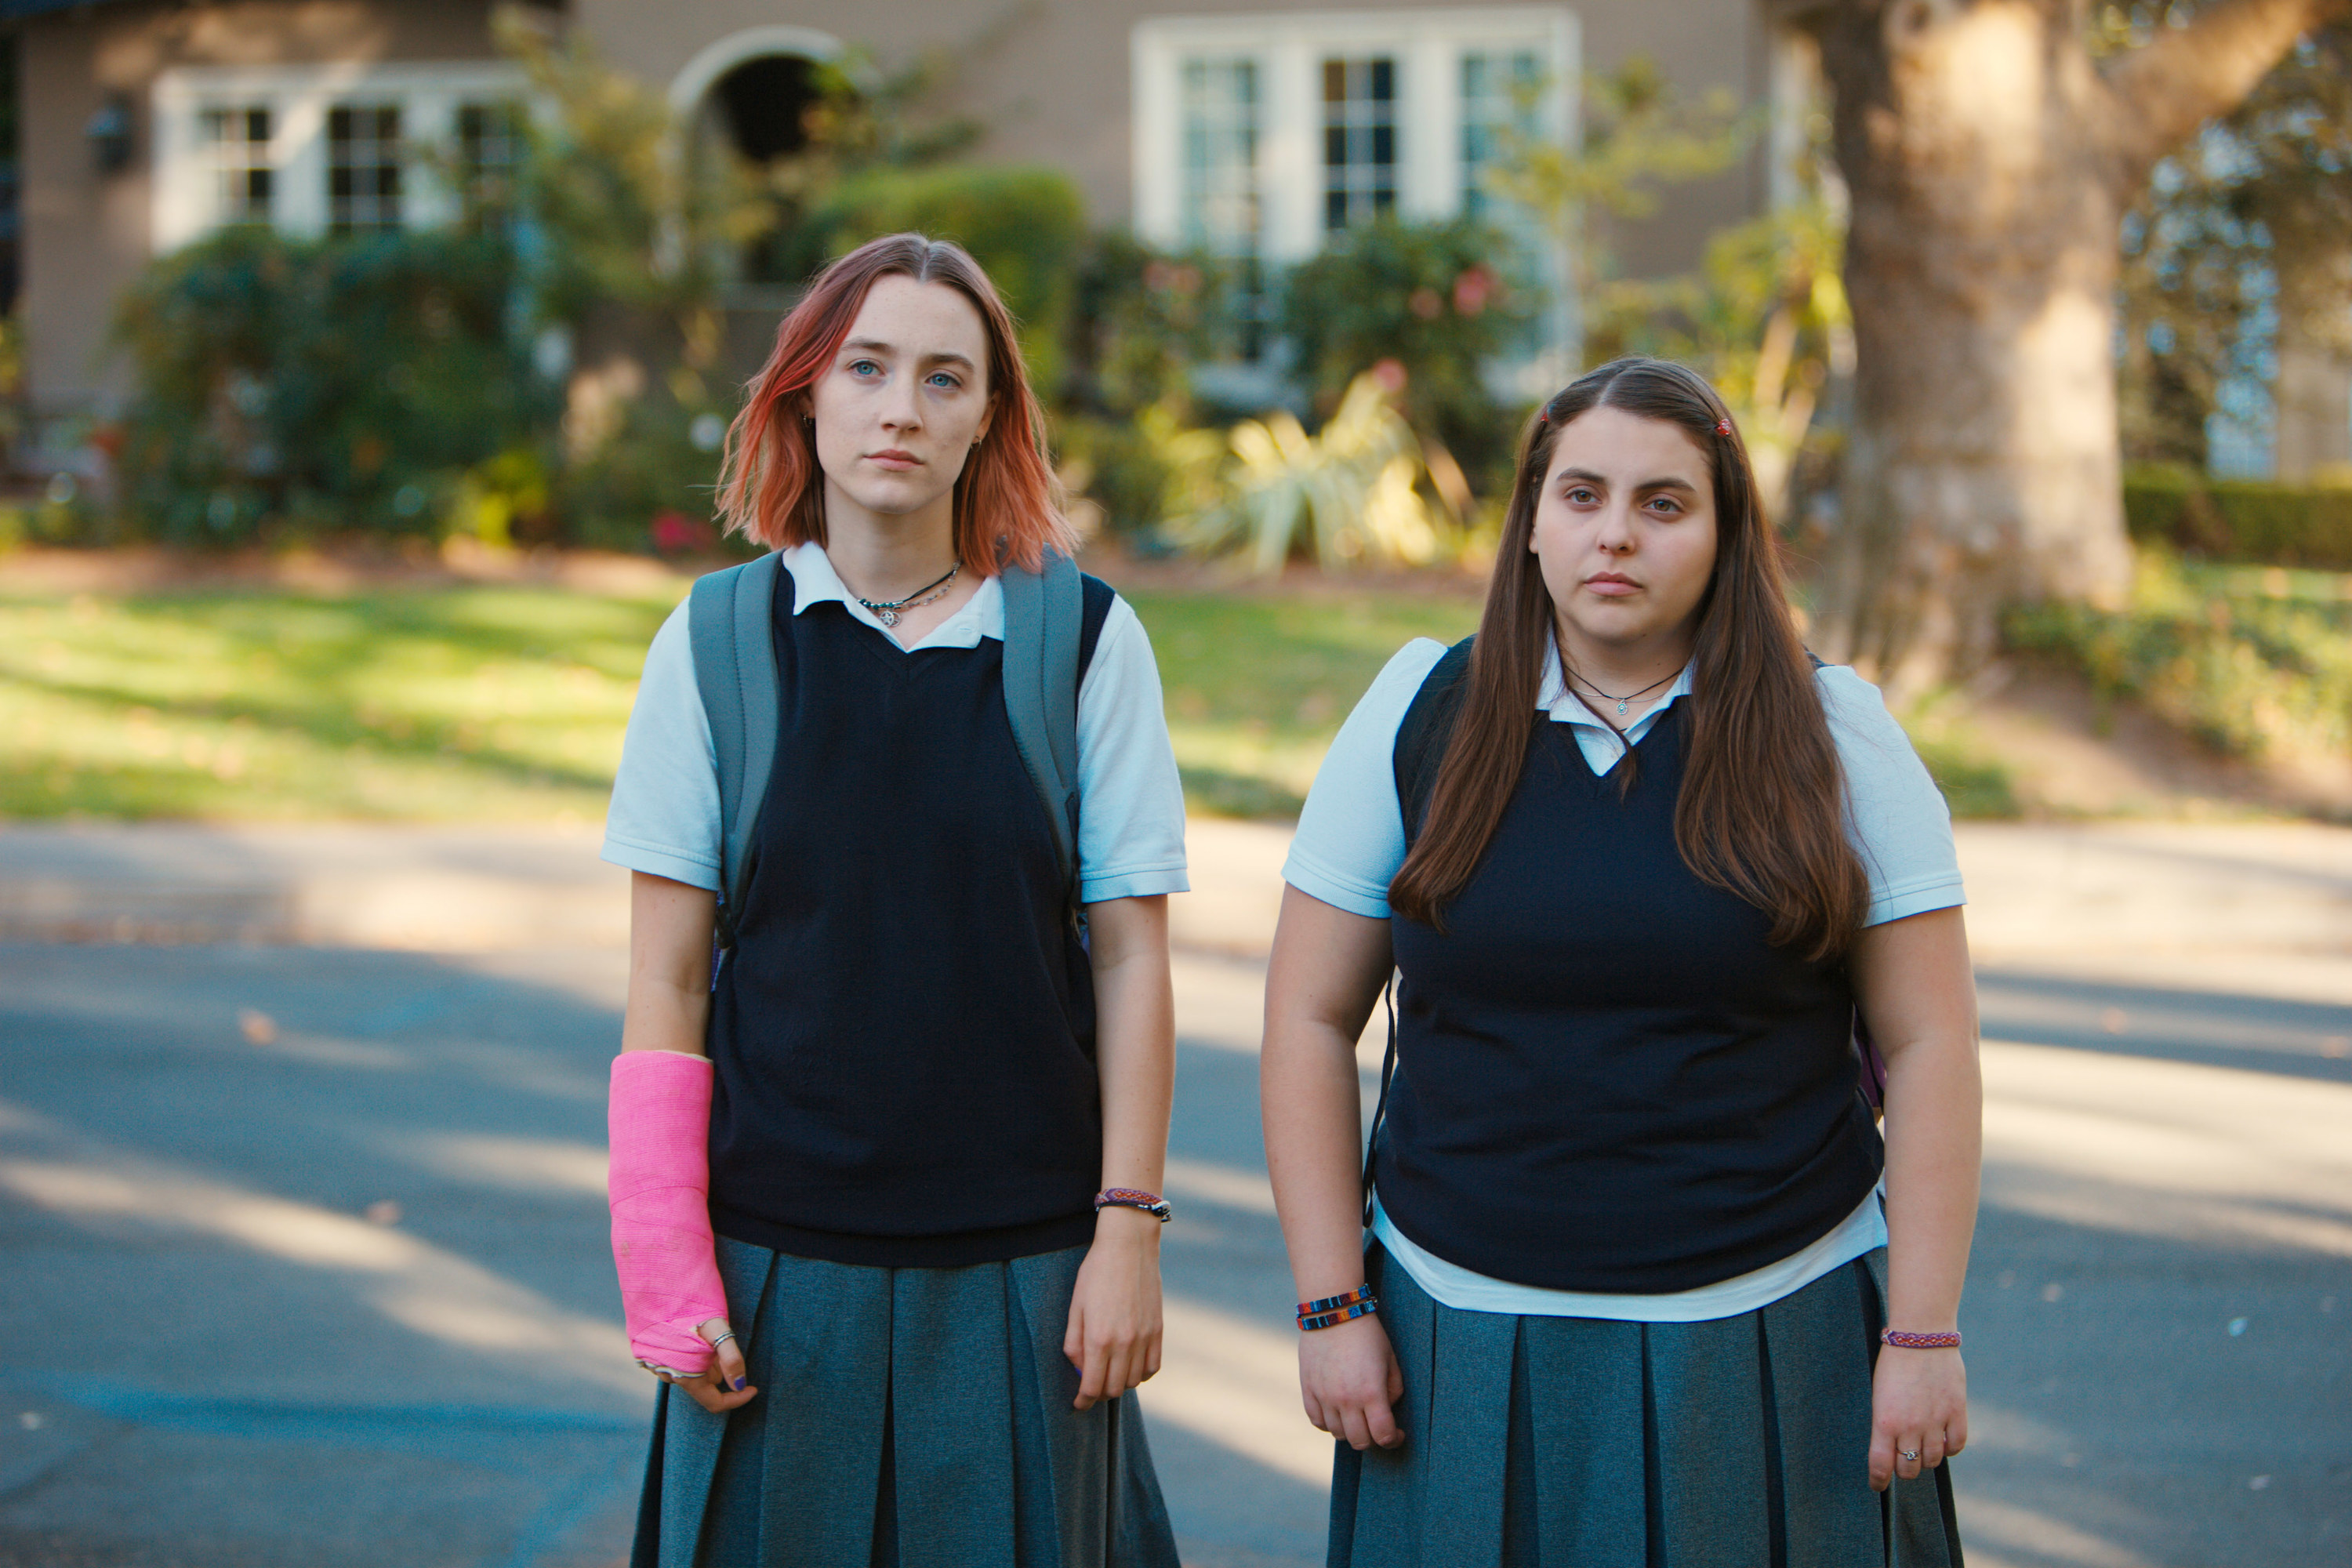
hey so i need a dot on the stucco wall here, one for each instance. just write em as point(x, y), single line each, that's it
point(85, 234)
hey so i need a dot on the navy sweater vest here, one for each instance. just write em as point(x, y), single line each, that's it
point(904, 1034)
point(1607, 1079)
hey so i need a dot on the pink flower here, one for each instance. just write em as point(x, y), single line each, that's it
point(1472, 289)
point(675, 533)
point(1389, 374)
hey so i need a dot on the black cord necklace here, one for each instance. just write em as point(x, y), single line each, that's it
point(1629, 697)
point(888, 612)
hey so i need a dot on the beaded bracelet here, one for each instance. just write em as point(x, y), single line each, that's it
point(1330, 1311)
point(1151, 1203)
point(1902, 1341)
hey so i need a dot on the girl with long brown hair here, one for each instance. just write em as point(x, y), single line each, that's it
point(884, 1178)
point(1635, 1290)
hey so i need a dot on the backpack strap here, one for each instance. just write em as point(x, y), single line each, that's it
point(1422, 736)
point(1044, 616)
point(729, 626)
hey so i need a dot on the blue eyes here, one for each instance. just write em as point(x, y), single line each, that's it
point(867, 369)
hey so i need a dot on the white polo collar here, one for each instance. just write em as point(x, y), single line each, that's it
point(815, 582)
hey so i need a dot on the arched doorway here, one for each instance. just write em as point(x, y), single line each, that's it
point(748, 95)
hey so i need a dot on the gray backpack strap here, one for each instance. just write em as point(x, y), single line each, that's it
point(728, 625)
point(1044, 613)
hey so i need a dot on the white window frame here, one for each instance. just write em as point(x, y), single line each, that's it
point(183, 205)
point(1289, 48)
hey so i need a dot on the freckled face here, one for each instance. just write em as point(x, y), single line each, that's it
point(1624, 532)
point(904, 400)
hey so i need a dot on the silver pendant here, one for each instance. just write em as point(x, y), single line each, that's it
point(891, 619)
point(1620, 706)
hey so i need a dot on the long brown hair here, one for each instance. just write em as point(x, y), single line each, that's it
point(1762, 808)
point(1008, 505)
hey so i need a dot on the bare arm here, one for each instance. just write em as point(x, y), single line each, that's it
point(669, 965)
point(1918, 995)
point(1327, 970)
point(1115, 1327)
point(669, 1004)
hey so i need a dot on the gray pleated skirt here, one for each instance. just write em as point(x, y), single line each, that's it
point(906, 1418)
point(1584, 1443)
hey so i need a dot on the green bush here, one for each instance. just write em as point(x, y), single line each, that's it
point(2241, 519)
point(1144, 318)
point(288, 387)
point(2240, 663)
point(1025, 225)
point(1431, 295)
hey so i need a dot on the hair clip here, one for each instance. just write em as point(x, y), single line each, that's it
point(1543, 415)
point(1723, 427)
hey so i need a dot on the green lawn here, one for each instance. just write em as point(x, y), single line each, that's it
point(486, 703)
point(507, 703)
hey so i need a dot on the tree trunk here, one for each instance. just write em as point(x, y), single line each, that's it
point(1990, 161)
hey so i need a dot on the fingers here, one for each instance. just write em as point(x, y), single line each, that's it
point(1381, 1421)
point(1109, 1360)
point(1881, 1458)
point(1354, 1429)
point(732, 1376)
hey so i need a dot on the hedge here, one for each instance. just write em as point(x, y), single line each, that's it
point(2241, 519)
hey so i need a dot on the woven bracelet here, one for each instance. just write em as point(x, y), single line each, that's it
point(1151, 1203)
point(1333, 1303)
point(1902, 1341)
point(1309, 1322)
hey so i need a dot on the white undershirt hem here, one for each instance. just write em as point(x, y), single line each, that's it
point(1862, 1231)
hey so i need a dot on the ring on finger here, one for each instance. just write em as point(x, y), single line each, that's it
point(723, 1339)
point(1910, 1454)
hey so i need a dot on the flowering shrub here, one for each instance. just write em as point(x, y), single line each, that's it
point(1432, 296)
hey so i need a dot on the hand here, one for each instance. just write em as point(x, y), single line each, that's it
point(1114, 1333)
point(1349, 1382)
point(1918, 1404)
point(723, 1387)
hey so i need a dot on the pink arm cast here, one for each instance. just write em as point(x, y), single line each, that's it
point(660, 1123)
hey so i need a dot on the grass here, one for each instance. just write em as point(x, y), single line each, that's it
point(507, 703)
point(1257, 687)
point(486, 703)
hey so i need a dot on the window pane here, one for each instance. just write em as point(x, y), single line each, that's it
point(1359, 147)
point(489, 153)
point(363, 168)
point(1221, 204)
point(234, 147)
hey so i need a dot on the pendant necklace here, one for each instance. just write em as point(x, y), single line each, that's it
point(887, 612)
point(1629, 697)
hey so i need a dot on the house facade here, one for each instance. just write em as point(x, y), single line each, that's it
point(146, 123)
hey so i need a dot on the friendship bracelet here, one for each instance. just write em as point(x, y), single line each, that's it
point(1151, 1203)
point(1902, 1341)
point(1309, 1322)
point(1333, 1303)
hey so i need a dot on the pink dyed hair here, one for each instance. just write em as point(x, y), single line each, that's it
point(1008, 505)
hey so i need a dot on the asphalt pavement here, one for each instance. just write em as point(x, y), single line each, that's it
point(302, 1252)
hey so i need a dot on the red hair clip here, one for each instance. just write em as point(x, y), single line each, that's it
point(1723, 427)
